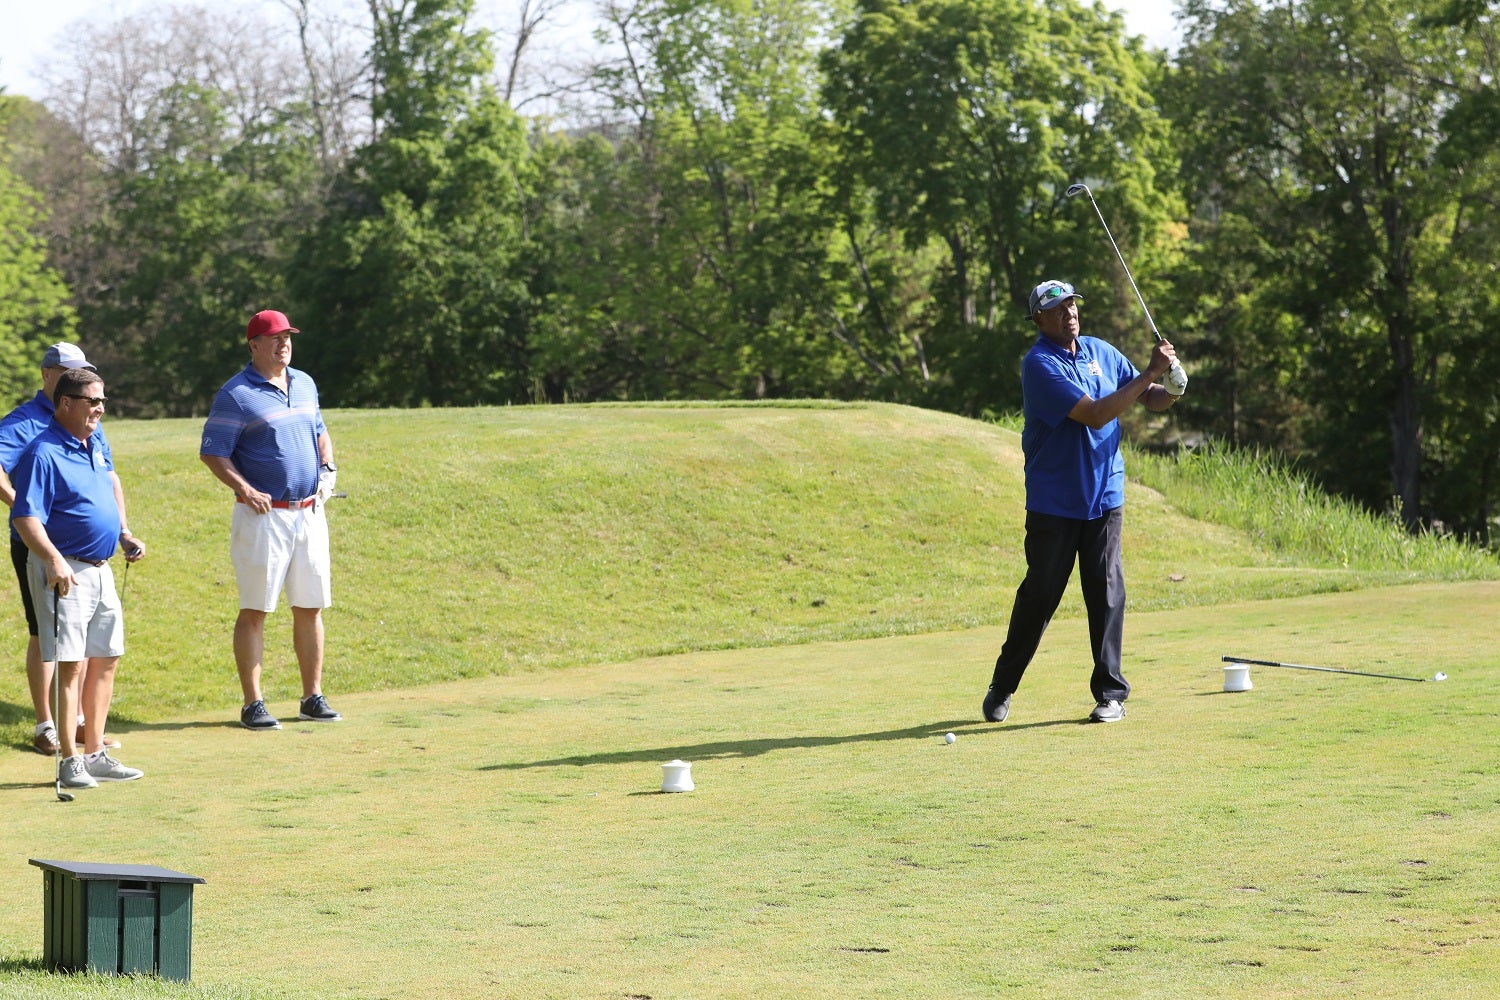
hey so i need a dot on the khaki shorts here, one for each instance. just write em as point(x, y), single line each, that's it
point(281, 549)
point(90, 619)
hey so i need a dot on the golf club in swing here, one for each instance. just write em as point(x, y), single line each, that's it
point(1437, 677)
point(62, 796)
point(1073, 191)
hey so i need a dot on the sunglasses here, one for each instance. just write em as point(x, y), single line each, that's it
point(91, 400)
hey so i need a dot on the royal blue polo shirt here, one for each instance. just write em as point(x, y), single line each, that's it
point(1072, 470)
point(270, 435)
point(66, 484)
point(21, 427)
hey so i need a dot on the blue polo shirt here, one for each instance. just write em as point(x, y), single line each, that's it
point(270, 435)
point(21, 427)
point(66, 484)
point(1072, 470)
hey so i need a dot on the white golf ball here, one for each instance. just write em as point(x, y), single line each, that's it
point(1440, 676)
point(950, 738)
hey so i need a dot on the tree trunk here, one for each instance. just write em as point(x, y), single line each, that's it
point(967, 312)
point(1406, 424)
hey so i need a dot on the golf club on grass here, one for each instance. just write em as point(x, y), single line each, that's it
point(1073, 191)
point(1440, 676)
point(62, 796)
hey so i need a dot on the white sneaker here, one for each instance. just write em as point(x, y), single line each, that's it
point(103, 767)
point(73, 773)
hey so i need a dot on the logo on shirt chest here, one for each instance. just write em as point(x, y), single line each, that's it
point(1095, 370)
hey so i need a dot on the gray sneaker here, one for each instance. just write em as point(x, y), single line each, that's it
point(1107, 711)
point(72, 772)
point(106, 768)
point(995, 708)
point(255, 716)
point(317, 709)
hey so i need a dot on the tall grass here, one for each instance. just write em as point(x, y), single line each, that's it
point(1283, 509)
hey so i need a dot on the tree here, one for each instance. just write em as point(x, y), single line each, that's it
point(333, 74)
point(207, 225)
point(1463, 415)
point(34, 310)
point(1316, 127)
point(967, 119)
point(711, 252)
point(416, 280)
point(183, 171)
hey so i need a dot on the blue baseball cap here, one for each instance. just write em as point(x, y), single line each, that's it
point(1051, 293)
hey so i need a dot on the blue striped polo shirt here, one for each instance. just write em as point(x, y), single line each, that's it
point(271, 436)
point(66, 484)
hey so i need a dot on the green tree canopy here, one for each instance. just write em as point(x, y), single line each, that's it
point(415, 283)
point(201, 232)
point(34, 307)
point(712, 257)
point(968, 119)
point(1313, 133)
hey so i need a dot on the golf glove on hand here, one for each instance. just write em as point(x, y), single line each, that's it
point(327, 478)
point(1175, 380)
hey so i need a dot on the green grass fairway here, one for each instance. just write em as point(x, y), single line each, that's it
point(536, 608)
point(1319, 836)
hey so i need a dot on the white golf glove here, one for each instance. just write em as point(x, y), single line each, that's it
point(327, 479)
point(1175, 380)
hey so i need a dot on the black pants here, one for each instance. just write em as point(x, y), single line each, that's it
point(18, 555)
point(1052, 543)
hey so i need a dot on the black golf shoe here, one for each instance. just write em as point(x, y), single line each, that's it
point(995, 707)
point(316, 709)
point(255, 716)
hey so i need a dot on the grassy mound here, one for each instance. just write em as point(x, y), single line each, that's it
point(487, 541)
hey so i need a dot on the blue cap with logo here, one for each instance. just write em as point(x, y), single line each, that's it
point(1051, 293)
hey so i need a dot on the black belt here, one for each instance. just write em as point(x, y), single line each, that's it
point(91, 562)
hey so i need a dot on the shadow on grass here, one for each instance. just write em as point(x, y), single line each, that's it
point(125, 728)
point(730, 749)
point(11, 966)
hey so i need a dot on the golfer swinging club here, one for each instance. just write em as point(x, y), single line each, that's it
point(1074, 389)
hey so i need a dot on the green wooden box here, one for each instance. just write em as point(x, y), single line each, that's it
point(117, 919)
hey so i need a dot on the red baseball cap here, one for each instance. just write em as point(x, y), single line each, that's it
point(268, 323)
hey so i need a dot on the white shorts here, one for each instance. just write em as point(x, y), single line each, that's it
point(90, 621)
point(281, 548)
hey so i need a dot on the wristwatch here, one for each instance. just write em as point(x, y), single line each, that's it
point(330, 467)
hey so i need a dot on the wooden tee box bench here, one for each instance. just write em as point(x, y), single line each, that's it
point(117, 919)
